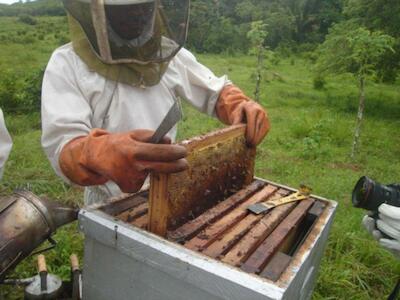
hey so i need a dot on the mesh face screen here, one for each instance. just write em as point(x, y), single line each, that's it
point(152, 31)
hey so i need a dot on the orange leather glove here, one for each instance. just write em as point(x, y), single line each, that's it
point(234, 107)
point(124, 158)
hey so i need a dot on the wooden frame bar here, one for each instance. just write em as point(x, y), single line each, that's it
point(119, 204)
point(249, 243)
point(135, 212)
point(191, 228)
point(258, 259)
point(214, 231)
point(141, 222)
point(282, 258)
point(223, 245)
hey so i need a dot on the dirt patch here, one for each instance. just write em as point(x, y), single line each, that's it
point(347, 166)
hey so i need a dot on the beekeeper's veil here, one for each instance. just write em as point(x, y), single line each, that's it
point(132, 32)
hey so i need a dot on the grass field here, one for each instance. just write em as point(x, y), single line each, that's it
point(310, 142)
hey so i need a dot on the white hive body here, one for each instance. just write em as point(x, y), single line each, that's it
point(123, 261)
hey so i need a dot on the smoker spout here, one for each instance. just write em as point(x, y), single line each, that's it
point(55, 213)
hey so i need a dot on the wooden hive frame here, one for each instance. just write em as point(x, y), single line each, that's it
point(220, 164)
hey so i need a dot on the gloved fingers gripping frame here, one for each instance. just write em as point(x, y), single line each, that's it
point(132, 31)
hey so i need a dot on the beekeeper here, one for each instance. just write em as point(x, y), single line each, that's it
point(105, 93)
point(5, 144)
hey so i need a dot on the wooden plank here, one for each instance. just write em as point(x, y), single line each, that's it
point(291, 238)
point(279, 262)
point(214, 137)
point(158, 204)
point(229, 239)
point(118, 205)
point(220, 164)
point(317, 209)
point(308, 224)
point(259, 258)
point(215, 230)
point(141, 222)
point(135, 212)
point(193, 227)
point(249, 243)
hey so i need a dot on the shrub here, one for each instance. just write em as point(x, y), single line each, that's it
point(319, 82)
point(32, 89)
point(8, 91)
point(274, 58)
point(28, 39)
point(27, 20)
point(306, 47)
point(21, 96)
point(62, 40)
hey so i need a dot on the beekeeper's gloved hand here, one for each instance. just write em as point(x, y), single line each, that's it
point(234, 107)
point(125, 158)
point(389, 224)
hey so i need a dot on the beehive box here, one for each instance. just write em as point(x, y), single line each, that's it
point(221, 251)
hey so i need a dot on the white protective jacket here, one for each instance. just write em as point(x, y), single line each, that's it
point(76, 100)
point(5, 143)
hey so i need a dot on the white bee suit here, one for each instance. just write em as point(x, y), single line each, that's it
point(5, 144)
point(76, 100)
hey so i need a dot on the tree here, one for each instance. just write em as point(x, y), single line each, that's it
point(257, 36)
point(27, 20)
point(201, 22)
point(355, 50)
point(312, 17)
point(380, 15)
point(280, 28)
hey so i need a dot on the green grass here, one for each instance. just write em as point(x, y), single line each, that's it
point(28, 47)
point(310, 142)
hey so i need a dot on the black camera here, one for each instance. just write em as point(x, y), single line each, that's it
point(369, 194)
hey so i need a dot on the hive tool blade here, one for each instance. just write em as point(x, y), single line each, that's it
point(263, 207)
point(171, 118)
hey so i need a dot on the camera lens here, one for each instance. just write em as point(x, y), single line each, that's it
point(361, 192)
point(369, 194)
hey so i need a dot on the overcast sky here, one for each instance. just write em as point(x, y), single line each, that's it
point(8, 1)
